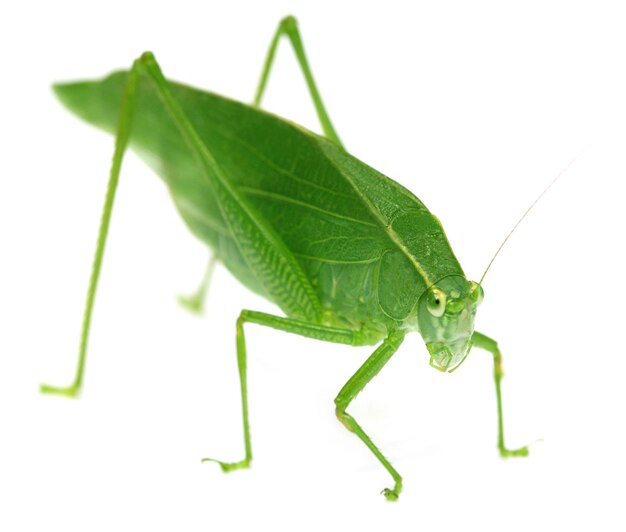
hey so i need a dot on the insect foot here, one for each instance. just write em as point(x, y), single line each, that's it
point(227, 467)
point(393, 494)
point(192, 303)
point(508, 453)
point(69, 391)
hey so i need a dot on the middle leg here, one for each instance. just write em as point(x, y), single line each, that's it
point(302, 328)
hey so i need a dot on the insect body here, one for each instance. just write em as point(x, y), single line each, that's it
point(348, 255)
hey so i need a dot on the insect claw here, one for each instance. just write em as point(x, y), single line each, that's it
point(390, 495)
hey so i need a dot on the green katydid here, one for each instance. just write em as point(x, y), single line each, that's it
point(347, 254)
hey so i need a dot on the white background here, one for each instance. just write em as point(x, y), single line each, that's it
point(475, 106)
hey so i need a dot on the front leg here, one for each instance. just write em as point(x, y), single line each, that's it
point(357, 382)
point(486, 343)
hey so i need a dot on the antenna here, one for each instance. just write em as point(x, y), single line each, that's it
point(527, 211)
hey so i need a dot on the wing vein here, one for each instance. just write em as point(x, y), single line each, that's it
point(285, 199)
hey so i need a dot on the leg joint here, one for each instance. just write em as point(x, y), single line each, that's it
point(497, 363)
point(289, 23)
point(345, 418)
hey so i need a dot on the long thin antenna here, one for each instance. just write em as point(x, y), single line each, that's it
point(528, 210)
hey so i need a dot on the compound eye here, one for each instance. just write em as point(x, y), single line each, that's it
point(476, 293)
point(436, 302)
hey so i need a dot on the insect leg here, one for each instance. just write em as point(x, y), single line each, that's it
point(357, 382)
point(289, 28)
point(302, 328)
point(121, 141)
point(350, 390)
point(265, 252)
point(195, 302)
point(486, 343)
